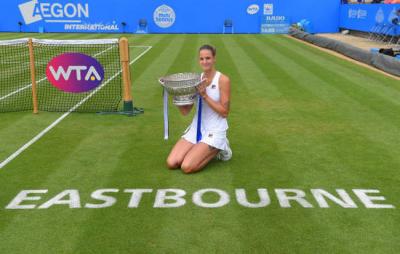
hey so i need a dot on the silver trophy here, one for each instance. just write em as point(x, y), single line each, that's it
point(182, 86)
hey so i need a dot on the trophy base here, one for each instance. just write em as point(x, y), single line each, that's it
point(184, 100)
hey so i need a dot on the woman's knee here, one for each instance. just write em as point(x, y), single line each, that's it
point(173, 163)
point(188, 166)
point(178, 154)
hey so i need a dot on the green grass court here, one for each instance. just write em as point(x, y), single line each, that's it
point(300, 119)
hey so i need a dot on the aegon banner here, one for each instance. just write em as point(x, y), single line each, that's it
point(64, 15)
point(162, 16)
point(363, 17)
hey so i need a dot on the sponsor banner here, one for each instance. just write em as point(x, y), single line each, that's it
point(53, 12)
point(161, 16)
point(69, 16)
point(366, 17)
point(271, 24)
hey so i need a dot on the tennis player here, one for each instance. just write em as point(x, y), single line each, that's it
point(205, 138)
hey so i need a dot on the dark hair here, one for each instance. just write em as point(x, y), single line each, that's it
point(209, 47)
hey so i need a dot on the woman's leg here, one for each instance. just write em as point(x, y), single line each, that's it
point(197, 157)
point(178, 153)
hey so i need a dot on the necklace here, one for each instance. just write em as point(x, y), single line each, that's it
point(209, 80)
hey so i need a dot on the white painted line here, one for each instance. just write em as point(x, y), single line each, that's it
point(52, 125)
point(44, 78)
point(20, 90)
point(107, 49)
point(140, 46)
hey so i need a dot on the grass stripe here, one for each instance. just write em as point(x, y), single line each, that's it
point(371, 100)
point(380, 84)
point(339, 65)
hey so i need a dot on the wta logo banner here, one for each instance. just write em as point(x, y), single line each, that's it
point(74, 72)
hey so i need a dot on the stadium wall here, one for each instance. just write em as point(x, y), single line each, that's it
point(163, 16)
point(364, 17)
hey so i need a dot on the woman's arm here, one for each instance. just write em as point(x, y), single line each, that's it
point(223, 105)
point(185, 109)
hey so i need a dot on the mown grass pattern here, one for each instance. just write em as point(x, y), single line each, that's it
point(300, 118)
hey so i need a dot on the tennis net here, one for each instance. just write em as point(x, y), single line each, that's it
point(59, 65)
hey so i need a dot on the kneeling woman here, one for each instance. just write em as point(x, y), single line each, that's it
point(205, 138)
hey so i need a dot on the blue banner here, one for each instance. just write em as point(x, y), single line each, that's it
point(161, 16)
point(369, 17)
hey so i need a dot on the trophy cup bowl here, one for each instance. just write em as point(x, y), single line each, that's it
point(182, 86)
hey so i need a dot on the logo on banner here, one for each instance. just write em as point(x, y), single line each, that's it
point(74, 72)
point(253, 9)
point(379, 16)
point(275, 24)
point(33, 11)
point(268, 9)
point(275, 18)
point(164, 16)
point(392, 15)
point(357, 14)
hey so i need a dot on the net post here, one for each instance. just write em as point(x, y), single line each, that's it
point(126, 76)
point(33, 77)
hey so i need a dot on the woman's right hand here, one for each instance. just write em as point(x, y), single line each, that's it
point(202, 87)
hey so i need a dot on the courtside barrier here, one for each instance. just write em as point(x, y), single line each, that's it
point(380, 61)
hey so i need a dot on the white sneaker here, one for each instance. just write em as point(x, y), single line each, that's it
point(225, 155)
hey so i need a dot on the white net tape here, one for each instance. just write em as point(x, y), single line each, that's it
point(13, 42)
point(75, 42)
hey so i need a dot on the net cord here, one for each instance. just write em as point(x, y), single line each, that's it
point(13, 42)
point(75, 42)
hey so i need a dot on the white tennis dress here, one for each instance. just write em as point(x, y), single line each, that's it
point(213, 126)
